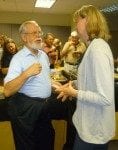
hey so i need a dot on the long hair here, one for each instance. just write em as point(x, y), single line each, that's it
point(6, 52)
point(96, 22)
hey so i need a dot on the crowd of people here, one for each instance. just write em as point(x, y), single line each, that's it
point(31, 102)
point(67, 55)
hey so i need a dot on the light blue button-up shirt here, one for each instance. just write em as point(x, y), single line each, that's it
point(38, 85)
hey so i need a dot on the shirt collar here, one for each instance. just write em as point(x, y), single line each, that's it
point(28, 52)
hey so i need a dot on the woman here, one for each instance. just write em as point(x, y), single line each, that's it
point(9, 49)
point(94, 117)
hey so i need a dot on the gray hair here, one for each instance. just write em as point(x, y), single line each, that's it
point(23, 26)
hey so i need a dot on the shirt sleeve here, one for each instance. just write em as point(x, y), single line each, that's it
point(14, 70)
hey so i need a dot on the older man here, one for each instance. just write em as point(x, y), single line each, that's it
point(28, 86)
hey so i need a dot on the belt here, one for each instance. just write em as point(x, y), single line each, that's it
point(34, 98)
point(74, 64)
point(40, 99)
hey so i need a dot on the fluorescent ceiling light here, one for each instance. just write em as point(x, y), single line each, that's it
point(109, 9)
point(44, 3)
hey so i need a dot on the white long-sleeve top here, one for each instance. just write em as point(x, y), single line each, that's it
point(94, 117)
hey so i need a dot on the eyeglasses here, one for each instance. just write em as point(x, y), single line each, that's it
point(37, 33)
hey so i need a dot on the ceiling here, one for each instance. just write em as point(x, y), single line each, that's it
point(60, 14)
point(60, 7)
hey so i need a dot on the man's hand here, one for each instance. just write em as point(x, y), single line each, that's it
point(33, 70)
point(56, 85)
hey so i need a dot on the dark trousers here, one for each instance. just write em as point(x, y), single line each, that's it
point(4, 110)
point(32, 129)
point(81, 145)
point(31, 121)
point(63, 110)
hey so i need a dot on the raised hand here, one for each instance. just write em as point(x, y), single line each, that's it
point(33, 69)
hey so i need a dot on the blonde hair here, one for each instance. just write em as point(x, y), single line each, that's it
point(96, 23)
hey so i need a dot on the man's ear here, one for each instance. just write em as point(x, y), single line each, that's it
point(23, 37)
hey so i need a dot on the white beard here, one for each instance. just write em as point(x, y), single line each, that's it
point(35, 45)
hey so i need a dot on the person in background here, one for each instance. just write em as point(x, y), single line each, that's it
point(72, 52)
point(9, 49)
point(2, 40)
point(58, 46)
point(116, 64)
point(27, 86)
point(69, 38)
point(49, 48)
point(94, 117)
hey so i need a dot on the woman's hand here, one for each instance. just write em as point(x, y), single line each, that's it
point(66, 91)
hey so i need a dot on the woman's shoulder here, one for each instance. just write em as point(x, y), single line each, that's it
point(99, 42)
point(100, 47)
